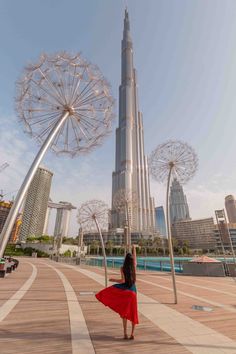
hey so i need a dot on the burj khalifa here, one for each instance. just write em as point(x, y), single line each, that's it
point(131, 168)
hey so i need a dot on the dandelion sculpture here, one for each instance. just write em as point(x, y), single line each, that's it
point(94, 215)
point(65, 103)
point(123, 199)
point(178, 159)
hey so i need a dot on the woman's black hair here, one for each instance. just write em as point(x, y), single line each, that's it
point(129, 270)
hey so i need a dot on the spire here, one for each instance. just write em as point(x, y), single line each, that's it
point(126, 21)
point(126, 32)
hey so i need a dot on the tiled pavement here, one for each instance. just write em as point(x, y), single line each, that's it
point(50, 308)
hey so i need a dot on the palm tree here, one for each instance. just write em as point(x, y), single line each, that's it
point(110, 246)
point(94, 245)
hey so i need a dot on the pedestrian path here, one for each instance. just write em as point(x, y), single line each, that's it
point(196, 337)
point(50, 308)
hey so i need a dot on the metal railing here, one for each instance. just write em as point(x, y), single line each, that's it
point(143, 264)
point(150, 265)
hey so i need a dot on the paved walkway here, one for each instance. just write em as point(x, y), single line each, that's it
point(50, 308)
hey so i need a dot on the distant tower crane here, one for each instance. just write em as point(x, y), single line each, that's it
point(2, 167)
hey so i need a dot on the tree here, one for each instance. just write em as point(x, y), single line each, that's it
point(67, 253)
point(94, 246)
point(109, 246)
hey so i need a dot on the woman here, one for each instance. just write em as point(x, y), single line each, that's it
point(122, 297)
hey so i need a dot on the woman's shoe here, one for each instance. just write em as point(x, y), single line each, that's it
point(126, 336)
point(131, 337)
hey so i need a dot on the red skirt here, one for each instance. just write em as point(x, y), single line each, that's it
point(122, 300)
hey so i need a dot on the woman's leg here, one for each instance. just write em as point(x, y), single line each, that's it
point(125, 328)
point(132, 331)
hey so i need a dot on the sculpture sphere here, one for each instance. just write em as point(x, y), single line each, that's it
point(176, 155)
point(89, 211)
point(60, 83)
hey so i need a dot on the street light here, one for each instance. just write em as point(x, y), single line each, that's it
point(94, 213)
point(168, 159)
point(65, 103)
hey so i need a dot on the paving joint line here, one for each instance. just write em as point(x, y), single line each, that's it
point(9, 305)
point(80, 338)
point(179, 326)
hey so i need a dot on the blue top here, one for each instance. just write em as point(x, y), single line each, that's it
point(124, 286)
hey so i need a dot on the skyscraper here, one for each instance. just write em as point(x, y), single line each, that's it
point(63, 219)
point(160, 220)
point(230, 205)
point(36, 204)
point(5, 207)
point(131, 169)
point(178, 203)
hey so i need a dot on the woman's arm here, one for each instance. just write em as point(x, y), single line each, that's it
point(134, 255)
point(114, 280)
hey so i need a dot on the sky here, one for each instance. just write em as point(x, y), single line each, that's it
point(185, 56)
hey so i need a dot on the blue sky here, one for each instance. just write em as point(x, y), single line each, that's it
point(185, 55)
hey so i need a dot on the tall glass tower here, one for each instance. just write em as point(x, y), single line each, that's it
point(179, 209)
point(131, 169)
point(36, 204)
point(160, 220)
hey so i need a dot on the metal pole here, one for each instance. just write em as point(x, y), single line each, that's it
point(222, 244)
point(6, 231)
point(230, 240)
point(59, 243)
point(169, 235)
point(80, 240)
point(103, 249)
point(128, 244)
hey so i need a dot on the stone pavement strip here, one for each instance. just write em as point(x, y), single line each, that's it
point(194, 336)
point(80, 338)
point(8, 306)
point(44, 310)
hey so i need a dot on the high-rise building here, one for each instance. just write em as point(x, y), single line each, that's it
point(14, 237)
point(36, 204)
point(5, 208)
point(230, 205)
point(222, 237)
point(160, 220)
point(178, 203)
point(199, 234)
point(63, 219)
point(131, 168)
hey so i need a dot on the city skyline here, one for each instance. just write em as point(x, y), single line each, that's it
point(191, 83)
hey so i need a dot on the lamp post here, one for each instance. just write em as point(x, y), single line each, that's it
point(94, 214)
point(168, 159)
point(65, 103)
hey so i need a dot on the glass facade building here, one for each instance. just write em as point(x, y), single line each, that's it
point(178, 203)
point(160, 220)
point(36, 204)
